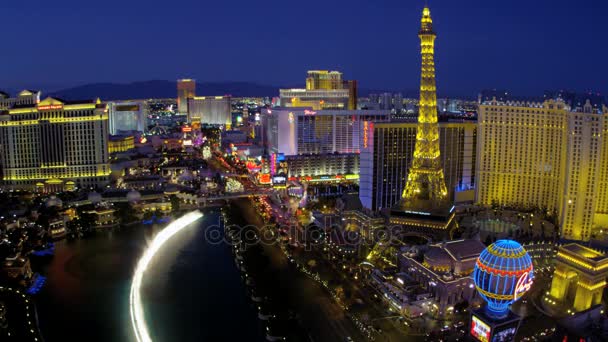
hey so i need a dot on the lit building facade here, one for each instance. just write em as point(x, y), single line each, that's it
point(127, 116)
point(324, 90)
point(186, 88)
point(210, 110)
point(293, 131)
point(313, 165)
point(444, 270)
point(580, 276)
point(323, 79)
point(367, 224)
point(545, 155)
point(24, 98)
point(55, 145)
point(120, 143)
point(388, 150)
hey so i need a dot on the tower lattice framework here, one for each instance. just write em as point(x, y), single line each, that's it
point(426, 180)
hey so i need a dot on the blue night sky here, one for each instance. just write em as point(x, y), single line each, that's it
point(526, 46)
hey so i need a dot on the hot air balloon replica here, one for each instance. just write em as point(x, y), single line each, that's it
point(503, 274)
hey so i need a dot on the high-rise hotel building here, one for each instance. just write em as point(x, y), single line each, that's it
point(324, 90)
point(546, 155)
point(186, 89)
point(387, 152)
point(210, 110)
point(127, 116)
point(317, 142)
point(300, 131)
point(54, 145)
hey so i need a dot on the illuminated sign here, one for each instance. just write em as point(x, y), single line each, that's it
point(273, 163)
point(417, 212)
point(505, 335)
point(186, 129)
point(47, 107)
point(187, 142)
point(309, 112)
point(279, 180)
point(252, 166)
point(480, 330)
point(365, 131)
point(264, 178)
point(523, 285)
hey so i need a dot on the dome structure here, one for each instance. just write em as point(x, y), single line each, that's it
point(503, 273)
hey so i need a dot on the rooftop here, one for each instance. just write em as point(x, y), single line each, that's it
point(464, 249)
point(584, 252)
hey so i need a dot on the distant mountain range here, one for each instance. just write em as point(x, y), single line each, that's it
point(167, 89)
point(161, 89)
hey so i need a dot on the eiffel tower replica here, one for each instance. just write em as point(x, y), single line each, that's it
point(424, 207)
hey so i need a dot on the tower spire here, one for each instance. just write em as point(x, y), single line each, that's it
point(425, 183)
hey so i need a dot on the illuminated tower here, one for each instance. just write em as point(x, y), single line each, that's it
point(425, 180)
point(424, 204)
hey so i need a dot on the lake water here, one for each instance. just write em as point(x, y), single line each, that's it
point(193, 291)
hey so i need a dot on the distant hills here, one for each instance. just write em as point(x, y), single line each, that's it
point(167, 89)
point(161, 89)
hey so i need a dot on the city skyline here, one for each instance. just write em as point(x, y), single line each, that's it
point(319, 211)
point(519, 49)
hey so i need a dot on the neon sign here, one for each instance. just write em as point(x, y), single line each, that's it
point(417, 212)
point(47, 107)
point(523, 285)
point(365, 132)
point(264, 178)
point(273, 163)
point(309, 112)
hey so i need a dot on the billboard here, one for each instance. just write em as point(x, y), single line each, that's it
point(279, 180)
point(505, 333)
point(480, 330)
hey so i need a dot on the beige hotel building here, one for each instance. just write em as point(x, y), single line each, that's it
point(54, 145)
point(545, 155)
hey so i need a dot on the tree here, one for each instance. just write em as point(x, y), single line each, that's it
point(125, 213)
point(175, 203)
